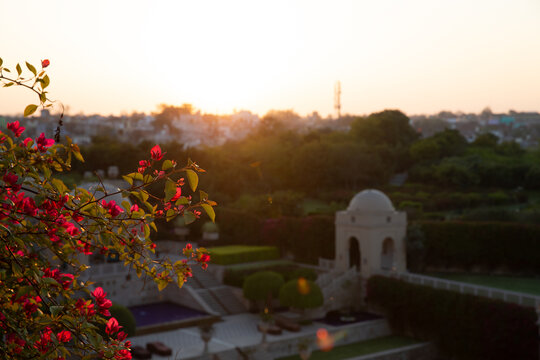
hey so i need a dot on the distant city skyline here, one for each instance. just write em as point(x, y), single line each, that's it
point(419, 56)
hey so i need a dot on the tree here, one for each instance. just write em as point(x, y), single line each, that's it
point(46, 227)
point(389, 127)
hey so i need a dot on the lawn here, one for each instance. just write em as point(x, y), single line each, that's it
point(512, 283)
point(358, 349)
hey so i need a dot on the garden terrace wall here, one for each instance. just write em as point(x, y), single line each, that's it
point(463, 326)
point(490, 245)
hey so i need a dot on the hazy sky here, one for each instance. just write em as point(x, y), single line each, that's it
point(418, 56)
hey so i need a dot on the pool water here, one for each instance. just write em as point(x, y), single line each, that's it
point(164, 312)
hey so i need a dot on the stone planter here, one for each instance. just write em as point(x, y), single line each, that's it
point(211, 236)
point(181, 231)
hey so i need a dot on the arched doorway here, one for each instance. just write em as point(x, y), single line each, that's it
point(354, 254)
point(387, 254)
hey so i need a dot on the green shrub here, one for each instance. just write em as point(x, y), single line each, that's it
point(125, 318)
point(237, 254)
point(263, 285)
point(301, 296)
point(463, 326)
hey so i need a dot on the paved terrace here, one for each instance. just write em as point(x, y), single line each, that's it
point(240, 331)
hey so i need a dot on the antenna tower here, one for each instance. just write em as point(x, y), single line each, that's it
point(337, 98)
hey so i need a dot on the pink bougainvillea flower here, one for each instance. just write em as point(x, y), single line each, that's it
point(27, 141)
point(45, 63)
point(43, 143)
point(16, 128)
point(134, 208)
point(64, 336)
point(112, 326)
point(143, 164)
point(111, 206)
point(177, 195)
point(12, 179)
point(156, 153)
point(98, 293)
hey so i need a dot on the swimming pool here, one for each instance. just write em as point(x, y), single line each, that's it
point(163, 312)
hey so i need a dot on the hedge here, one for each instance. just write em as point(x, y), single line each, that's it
point(263, 285)
point(305, 238)
point(490, 245)
point(463, 326)
point(237, 254)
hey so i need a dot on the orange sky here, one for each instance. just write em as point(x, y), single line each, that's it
point(419, 56)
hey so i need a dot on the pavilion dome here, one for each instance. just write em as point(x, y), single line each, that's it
point(371, 200)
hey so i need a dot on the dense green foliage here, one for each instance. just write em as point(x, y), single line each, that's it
point(490, 245)
point(263, 285)
point(301, 294)
point(462, 326)
point(237, 254)
point(125, 318)
point(306, 239)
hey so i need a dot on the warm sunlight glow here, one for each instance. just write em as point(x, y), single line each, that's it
point(419, 57)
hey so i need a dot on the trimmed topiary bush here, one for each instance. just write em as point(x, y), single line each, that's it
point(125, 318)
point(263, 285)
point(301, 294)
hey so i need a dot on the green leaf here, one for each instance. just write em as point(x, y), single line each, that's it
point(171, 214)
point(180, 280)
point(30, 67)
point(126, 205)
point(127, 179)
point(45, 82)
point(43, 97)
point(210, 211)
point(204, 196)
point(9, 84)
point(182, 200)
point(30, 109)
point(1, 61)
point(167, 164)
point(170, 190)
point(19, 70)
point(162, 284)
point(78, 155)
point(55, 310)
point(189, 217)
point(146, 231)
point(59, 185)
point(193, 179)
point(153, 225)
point(24, 290)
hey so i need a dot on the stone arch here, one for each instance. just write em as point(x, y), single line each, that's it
point(355, 255)
point(388, 250)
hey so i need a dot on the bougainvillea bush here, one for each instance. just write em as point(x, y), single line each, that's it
point(46, 228)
